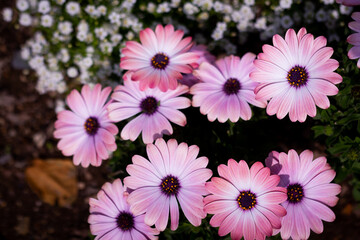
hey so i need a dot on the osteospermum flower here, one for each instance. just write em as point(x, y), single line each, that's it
point(86, 132)
point(296, 74)
point(160, 58)
point(349, 2)
point(153, 110)
point(245, 201)
point(309, 192)
point(225, 90)
point(111, 218)
point(173, 175)
point(354, 39)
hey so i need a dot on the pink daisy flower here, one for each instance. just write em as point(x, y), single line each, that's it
point(309, 192)
point(111, 218)
point(86, 132)
point(173, 175)
point(354, 39)
point(225, 90)
point(245, 201)
point(160, 58)
point(153, 110)
point(349, 2)
point(296, 74)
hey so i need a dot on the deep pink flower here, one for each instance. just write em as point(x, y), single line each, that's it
point(160, 58)
point(296, 74)
point(204, 56)
point(173, 175)
point(225, 90)
point(309, 192)
point(245, 201)
point(153, 110)
point(111, 218)
point(354, 39)
point(86, 132)
point(349, 2)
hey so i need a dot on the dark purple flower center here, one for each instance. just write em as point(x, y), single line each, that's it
point(295, 193)
point(170, 185)
point(149, 105)
point(160, 61)
point(91, 125)
point(297, 76)
point(232, 86)
point(125, 221)
point(246, 200)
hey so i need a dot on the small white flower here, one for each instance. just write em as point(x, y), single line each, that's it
point(130, 35)
point(115, 18)
point(106, 47)
point(102, 10)
point(345, 10)
point(90, 50)
point(81, 36)
point(72, 72)
point(217, 35)
point(44, 7)
point(92, 11)
point(25, 19)
point(46, 20)
point(321, 15)
point(65, 27)
point(151, 7)
point(175, 3)
point(242, 26)
point(7, 14)
point(206, 4)
point(221, 26)
point(36, 48)
point(64, 55)
point(116, 38)
point(236, 16)
point(73, 8)
point(86, 63)
point(61, 87)
point(203, 16)
point(327, 2)
point(334, 14)
point(36, 62)
point(25, 53)
point(22, 5)
point(190, 9)
point(218, 6)
point(227, 19)
point(249, 2)
point(286, 22)
point(83, 26)
point(59, 105)
point(127, 22)
point(285, 4)
point(227, 9)
point(163, 8)
point(101, 33)
point(247, 12)
point(53, 63)
point(137, 27)
point(260, 23)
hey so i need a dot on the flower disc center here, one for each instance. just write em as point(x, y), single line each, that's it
point(91, 125)
point(149, 105)
point(246, 200)
point(297, 76)
point(160, 61)
point(125, 221)
point(232, 86)
point(295, 193)
point(170, 185)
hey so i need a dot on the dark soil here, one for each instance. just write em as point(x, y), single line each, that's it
point(26, 126)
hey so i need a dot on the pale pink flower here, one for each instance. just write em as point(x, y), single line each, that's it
point(111, 218)
point(245, 201)
point(86, 132)
point(349, 2)
point(152, 108)
point(160, 58)
point(296, 74)
point(309, 192)
point(354, 39)
point(226, 90)
point(173, 175)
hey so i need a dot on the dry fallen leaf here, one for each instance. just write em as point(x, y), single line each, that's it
point(53, 180)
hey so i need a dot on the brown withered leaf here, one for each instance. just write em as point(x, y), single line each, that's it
point(53, 180)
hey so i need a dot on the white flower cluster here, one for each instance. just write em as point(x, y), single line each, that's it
point(81, 43)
